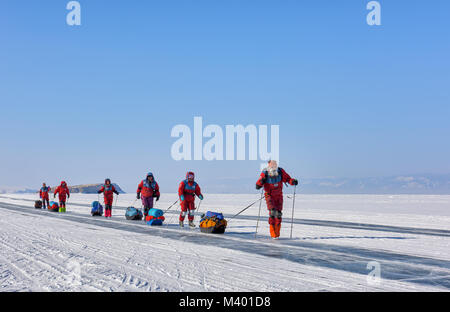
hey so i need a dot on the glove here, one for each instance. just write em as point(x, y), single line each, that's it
point(54, 196)
point(117, 193)
point(182, 197)
point(99, 192)
point(157, 198)
point(138, 196)
point(258, 187)
point(294, 182)
point(200, 196)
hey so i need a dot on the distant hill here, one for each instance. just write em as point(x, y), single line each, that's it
point(91, 188)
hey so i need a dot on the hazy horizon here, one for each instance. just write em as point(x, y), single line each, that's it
point(394, 185)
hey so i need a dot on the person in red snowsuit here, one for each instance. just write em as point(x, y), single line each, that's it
point(147, 190)
point(272, 179)
point(43, 194)
point(187, 191)
point(108, 191)
point(64, 193)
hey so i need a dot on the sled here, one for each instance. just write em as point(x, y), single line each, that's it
point(53, 207)
point(133, 214)
point(97, 209)
point(151, 220)
point(38, 204)
point(213, 223)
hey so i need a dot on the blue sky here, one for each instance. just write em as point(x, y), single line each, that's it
point(99, 100)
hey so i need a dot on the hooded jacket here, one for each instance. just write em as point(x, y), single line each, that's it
point(63, 191)
point(273, 185)
point(148, 189)
point(43, 193)
point(189, 188)
point(108, 190)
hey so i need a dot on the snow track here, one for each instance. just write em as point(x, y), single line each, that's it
point(119, 265)
point(313, 222)
point(42, 250)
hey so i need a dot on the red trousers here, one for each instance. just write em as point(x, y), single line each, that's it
point(187, 207)
point(274, 202)
point(275, 206)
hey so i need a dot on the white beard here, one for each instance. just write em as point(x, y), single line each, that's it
point(273, 172)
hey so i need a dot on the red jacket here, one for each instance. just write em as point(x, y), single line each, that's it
point(189, 190)
point(43, 193)
point(63, 191)
point(148, 189)
point(273, 186)
point(108, 191)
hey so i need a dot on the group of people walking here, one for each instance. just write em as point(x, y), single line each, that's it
point(63, 194)
point(148, 192)
point(271, 179)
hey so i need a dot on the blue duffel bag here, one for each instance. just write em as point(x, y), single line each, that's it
point(155, 212)
point(217, 215)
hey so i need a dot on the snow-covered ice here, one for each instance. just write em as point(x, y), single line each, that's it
point(335, 237)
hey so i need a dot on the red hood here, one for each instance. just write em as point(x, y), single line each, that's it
point(190, 173)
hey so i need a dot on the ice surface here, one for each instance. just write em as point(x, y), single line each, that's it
point(335, 237)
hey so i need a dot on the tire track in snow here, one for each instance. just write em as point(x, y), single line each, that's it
point(57, 269)
point(395, 266)
point(312, 222)
point(187, 272)
point(13, 271)
point(127, 277)
point(51, 265)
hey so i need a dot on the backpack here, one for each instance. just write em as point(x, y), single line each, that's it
point(53, 207)
point(97, 209)
point(133, 214)
point(38, 204)
point(213, 222)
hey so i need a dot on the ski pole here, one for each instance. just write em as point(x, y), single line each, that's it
point(171, 206)
point(168, 222)
point(293, 206)
point(259, 213)
point(245, 208)
point(171, 218)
